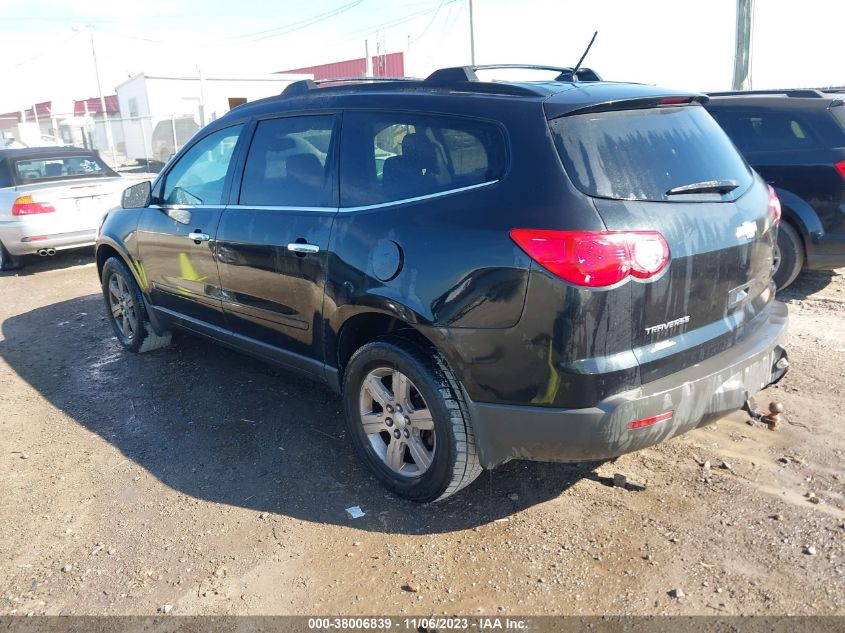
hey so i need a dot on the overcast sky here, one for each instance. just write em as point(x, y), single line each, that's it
point(46, 49)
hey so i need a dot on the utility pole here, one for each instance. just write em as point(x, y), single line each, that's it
point(742, 56)
point(202, 96)
point(106, 122)
point(368, 63)
point(471, 36)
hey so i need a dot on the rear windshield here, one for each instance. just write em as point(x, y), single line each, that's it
point(643, 154)
point(29, 170)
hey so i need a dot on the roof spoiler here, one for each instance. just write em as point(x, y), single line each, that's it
point(798, 93)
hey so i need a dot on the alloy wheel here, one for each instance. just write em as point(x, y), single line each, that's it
point(397, 422)
point(123, 307)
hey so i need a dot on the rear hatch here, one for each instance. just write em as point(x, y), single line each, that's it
point(665, 165)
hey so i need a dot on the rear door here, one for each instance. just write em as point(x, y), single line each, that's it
point(176, 234)
point(654, 169)
point(272, 244)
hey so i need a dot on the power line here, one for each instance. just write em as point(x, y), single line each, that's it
point(294, 26)
point(396, 21)
point(430, 22)
point(44, 52)
point(255, 36)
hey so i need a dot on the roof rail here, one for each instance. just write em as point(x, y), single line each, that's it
point(807, 93)
point(468, 73)
point(304, 85)
point(456, 75)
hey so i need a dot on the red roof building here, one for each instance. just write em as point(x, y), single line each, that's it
point(92, 105)
point(389, 65)
point(45, 110)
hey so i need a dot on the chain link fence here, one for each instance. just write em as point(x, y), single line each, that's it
point(139, 143)
point(130, 144)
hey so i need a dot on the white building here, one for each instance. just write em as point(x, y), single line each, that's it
point(160, 113)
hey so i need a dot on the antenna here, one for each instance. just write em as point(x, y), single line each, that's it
point(581, 61)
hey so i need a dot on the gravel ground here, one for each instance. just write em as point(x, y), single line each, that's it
point(204, 480)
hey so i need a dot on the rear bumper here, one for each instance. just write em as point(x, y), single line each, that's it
point(827, 252)
point(18, 239)
point(696, 395)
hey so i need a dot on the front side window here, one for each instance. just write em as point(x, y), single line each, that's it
point(287, 163)
point(200, 174)
point(387, 157)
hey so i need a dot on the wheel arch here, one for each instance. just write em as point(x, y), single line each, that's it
point(362, 327)
point(802, 217)
point(106, 249)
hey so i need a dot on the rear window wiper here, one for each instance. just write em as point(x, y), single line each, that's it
point(707, 186)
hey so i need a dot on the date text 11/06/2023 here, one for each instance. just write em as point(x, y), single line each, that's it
point(416, 624)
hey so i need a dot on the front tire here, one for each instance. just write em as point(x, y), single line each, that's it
point(126, 309)
point(789, 256)
point(408, 421)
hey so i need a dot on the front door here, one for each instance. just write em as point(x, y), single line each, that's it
point(176, 235)
point(272, 244)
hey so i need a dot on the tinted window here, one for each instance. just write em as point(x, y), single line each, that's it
point(60, 168)
point(642, 154)
point(286, 163)
point(766, 131)
point(5, 178)
point(199, 175)
point(396, 156)
point(838, 113)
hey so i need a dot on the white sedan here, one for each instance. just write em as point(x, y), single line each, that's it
point(52, 198)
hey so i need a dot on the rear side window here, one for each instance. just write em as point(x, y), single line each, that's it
point(287, 163)
point(766, 131)
point(60, 168)
point(386, 157)
point(838, 113)
point(643, 154)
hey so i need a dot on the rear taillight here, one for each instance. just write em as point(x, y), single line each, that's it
point(840, 167)
point(595, 258)
point(25, 205)
point(774, 205)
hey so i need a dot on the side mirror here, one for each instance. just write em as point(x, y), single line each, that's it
point(137, 196)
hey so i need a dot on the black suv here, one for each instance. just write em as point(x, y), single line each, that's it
point(558, 270)
point(795, 139)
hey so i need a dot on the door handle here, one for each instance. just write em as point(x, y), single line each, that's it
point(297, 247)
point(198, 236)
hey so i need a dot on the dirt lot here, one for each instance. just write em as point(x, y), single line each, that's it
point(202, 479)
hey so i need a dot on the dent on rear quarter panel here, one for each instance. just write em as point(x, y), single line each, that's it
point(450, 272)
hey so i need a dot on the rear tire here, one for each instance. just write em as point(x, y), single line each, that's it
point(126, 309)
point(7, 261)
point(443, 458)
point(789, 256)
